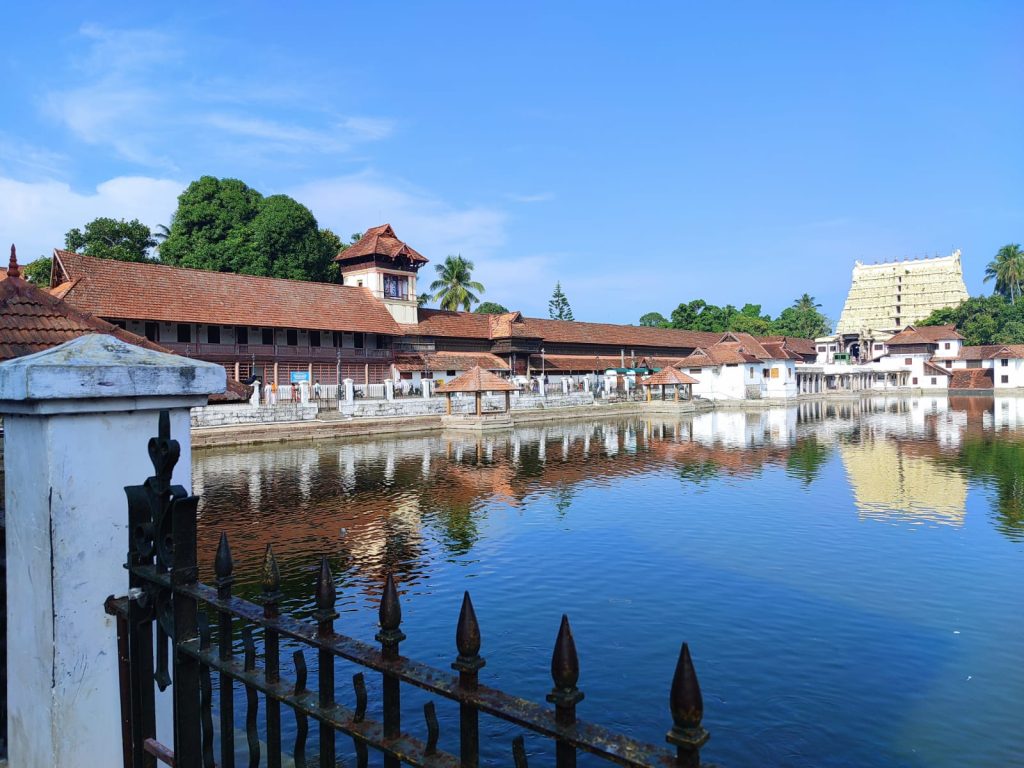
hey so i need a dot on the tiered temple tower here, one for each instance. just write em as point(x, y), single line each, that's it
point(886, 298)
point(386, 266)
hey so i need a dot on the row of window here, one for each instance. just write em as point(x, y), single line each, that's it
point(266, 336)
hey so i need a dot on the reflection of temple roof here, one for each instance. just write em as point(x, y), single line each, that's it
point(889, 480)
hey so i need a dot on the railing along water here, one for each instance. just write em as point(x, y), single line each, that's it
point(165, 597)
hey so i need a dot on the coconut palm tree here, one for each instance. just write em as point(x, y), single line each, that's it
point(454, 285)
point(1007, 269)
point(806, 302)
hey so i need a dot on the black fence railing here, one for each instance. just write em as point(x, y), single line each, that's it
point(196, 627)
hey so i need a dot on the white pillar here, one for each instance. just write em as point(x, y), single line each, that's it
point(350, 391)
point(565, 386)
point(389, 389)
point(77, 422)
point(304, 392)
point(425, 384)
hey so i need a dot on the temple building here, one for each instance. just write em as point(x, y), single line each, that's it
point(886, 298)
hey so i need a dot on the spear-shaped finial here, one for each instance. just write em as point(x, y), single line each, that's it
point(12, 267)
point(390, 615)
point(565, 673)
point(687, 707)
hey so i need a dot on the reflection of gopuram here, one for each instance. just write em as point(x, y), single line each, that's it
point(888, 480)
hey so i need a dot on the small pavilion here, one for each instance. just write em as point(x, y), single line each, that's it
point(671, 377)
point(477, 380)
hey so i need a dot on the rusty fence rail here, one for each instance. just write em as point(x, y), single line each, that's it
point(196, 626)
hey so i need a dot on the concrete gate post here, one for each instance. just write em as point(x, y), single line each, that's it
point(350, 391)
point(389, 389)
point(425, 384)
point(77, 423)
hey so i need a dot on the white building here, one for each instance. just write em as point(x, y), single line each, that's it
point(738, 367)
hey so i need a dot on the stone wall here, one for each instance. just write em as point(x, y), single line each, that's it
point(435, 406)
point(231, 415)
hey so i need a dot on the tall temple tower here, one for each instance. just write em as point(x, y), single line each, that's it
point(387, 267)
point(886, 298)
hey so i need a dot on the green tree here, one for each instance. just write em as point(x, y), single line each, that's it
point(422, 299)
point(685, 315)
point(108, 238)
point(38, 272)
point(455, 285)
point(806, 303)
point(984, 320)
point(653, 320)
point(223, 225)
point(558, 306)
point(1007, 270)
point(491, 308)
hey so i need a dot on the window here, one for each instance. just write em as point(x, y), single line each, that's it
point(908, 361)
point(359, 283)
point(359, 340)
point(268, 336)
point(242, 334)
point(153, 331)
point(337, 338)
point(822, 348)
point(946, 345)
point(775, 373)
point(213, 334)
point(291, 337)
point(914, 380)
point(751, 372)
point(314, 338)
point(184, 333)
point(933, 381)
point(832, 348)
point(1004, 362)
point(879, 347)
point(949, 363)
point(450, 373)
point(396, 287)
point(695, 370)
point(1004, 379)
point(730, 365)
point(120, 324)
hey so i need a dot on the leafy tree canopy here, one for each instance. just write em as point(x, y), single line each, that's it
point(223, 225)
point(38, 272)
point(108, 238)
point(558, 306)
point(1007, 270)
point(802, 319)
point(984, 320)
point(491, 308)
point(653, 320)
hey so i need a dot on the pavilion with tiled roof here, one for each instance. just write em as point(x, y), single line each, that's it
point(478, 381)
point(671, 377)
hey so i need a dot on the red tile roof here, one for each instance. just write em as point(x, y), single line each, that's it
point(575, 363)
point(31, 320)
point(933, 369)
point(924, 334)
point(479, 380)
point(1008, 351)
point(450, 361)
point(130, 290)
point(971, 378)
point(380, 241)
point(978, 352)
point(669, 377)
point(804, 347)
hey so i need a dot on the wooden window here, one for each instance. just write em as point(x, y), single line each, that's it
point(946, 345)
point(695, 370)
point(450, 373)
point(879, 347)
point(914, 380)
point(1004, 379)
point(933, 381)
point(314, 338)
point(291, 337)
point(184, 333)
point(775, 373)
point(268, 336)
point(1004, 362)
point(153, 331)
point(213, 334)
point(358, 339)
point(949, 363)
point(241, 334)
point(908, 361)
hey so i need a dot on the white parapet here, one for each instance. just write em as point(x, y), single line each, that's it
point(77, 422)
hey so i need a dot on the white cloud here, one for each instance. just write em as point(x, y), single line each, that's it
point(132, 91)
point(35, 215)
point(434, 227)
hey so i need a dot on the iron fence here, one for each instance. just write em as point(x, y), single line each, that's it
point(195, 626)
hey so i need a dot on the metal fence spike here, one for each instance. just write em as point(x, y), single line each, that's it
point(685, 699)
point(565, 665)
point(222, 563)
point(325, 591)
point(271, 576)
point(467, 634)
point(390, 608)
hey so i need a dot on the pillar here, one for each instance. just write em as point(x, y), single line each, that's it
point(350, 391)
point(77, 422)
point(478, 398)
point(238, 372)
point(508, 401)
point(389, 389)
point(448, 403)
point(425, 388)
point(275, 373)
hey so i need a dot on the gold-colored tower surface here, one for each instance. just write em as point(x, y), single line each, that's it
point(891, 296)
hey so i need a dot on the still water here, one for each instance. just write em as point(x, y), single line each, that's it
point(848, 576)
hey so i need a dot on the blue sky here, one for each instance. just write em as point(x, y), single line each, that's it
point(643, 154)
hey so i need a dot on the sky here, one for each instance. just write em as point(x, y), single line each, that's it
point(642, 154)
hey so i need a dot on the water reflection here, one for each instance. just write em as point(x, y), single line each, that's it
point(844, 541)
